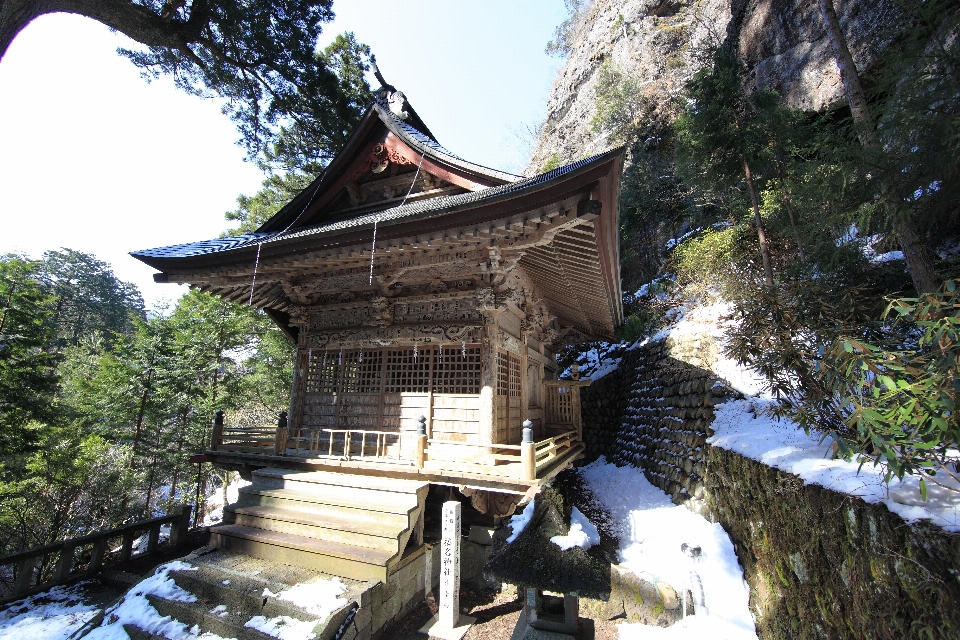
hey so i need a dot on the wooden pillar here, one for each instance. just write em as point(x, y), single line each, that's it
point(216, 435)
point(528, 454)
point(487, 428)
point(421, 447)
point(153, 539)
point(280, 441)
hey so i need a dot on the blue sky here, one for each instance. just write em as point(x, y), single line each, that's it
point(98, 160)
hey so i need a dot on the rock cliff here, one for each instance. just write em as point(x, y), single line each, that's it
point(661, 43)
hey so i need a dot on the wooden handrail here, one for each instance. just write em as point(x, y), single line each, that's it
point(567, 383)
point(27, 560)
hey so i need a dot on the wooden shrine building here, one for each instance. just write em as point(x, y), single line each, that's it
point(427, 296)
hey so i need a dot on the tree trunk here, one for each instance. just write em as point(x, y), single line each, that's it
point(140, 415)
point(789, 207)
point(916, 253)
point(761, 234)
point(135, 21)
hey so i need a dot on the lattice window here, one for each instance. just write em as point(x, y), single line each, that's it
point(361, 371)
point(503, 373)
point(514, 375)
point(455, 372)
point(408, 372)
point(322, 372)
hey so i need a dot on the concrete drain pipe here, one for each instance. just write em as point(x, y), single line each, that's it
point(696, 586)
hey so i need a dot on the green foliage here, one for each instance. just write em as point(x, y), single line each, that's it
point(552, 163)
point(89, 298)
point(260, 57)
point(723, 128)
point(253, 211)
point(915, 90)
point(898, 397)
point(27, 368)
point(562, 40)
point(75, 483)
point(305, 145)
point(621, 106)
point(718, 262)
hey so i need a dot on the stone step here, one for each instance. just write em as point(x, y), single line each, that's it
point(373, 535)
point(328, 556)
point(200, 614)
point(239, 594)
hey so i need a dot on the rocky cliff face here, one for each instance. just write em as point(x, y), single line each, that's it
point(661, 43)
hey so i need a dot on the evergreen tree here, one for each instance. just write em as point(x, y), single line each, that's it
point(28, 375)
point(724, 136)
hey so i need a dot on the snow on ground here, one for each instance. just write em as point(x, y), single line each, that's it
point(742, 426)
point(651, 531)
point(51, 615)
point(320, 597)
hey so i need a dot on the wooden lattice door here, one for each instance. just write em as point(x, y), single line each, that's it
point(508, 398)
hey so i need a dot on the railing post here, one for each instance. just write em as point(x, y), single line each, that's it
point(575, 416)
point(217, 434)
point(528, 453)
point(25, 575)
point(65, 562)
point(126, 548)
point(154, 538)
point(178, 528)
point(280, 443)
point(421, 441)
point(99, 551)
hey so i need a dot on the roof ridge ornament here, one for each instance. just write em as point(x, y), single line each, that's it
point(387, 96)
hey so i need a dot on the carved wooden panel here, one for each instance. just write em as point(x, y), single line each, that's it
point(450, 307)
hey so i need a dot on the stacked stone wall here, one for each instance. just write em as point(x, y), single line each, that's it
point(654, 413)
point(820, 564)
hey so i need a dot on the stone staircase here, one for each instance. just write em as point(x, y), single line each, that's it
point(342, 524)
point(231, 590)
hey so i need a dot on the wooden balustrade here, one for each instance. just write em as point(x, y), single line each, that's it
point(27, 578)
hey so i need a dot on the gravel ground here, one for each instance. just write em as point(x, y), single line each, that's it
point(496, 614)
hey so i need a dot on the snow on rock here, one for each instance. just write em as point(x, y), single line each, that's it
point(320, 597)
point(283, 627)
point(50, 615)
point(651, 531)
point(582, 533)
point(136, 610)
point(520, 521)
point(743, 426)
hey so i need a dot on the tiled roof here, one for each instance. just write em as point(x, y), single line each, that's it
point(414, 209)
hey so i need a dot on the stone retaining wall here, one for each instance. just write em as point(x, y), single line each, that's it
point(820, 564)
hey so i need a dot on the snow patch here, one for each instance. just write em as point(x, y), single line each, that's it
point(582, 533)
point(745, 427)
point(520, 521)
point(283, 627)
point(651, 530)
point(50, 615)
point(320, 598)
